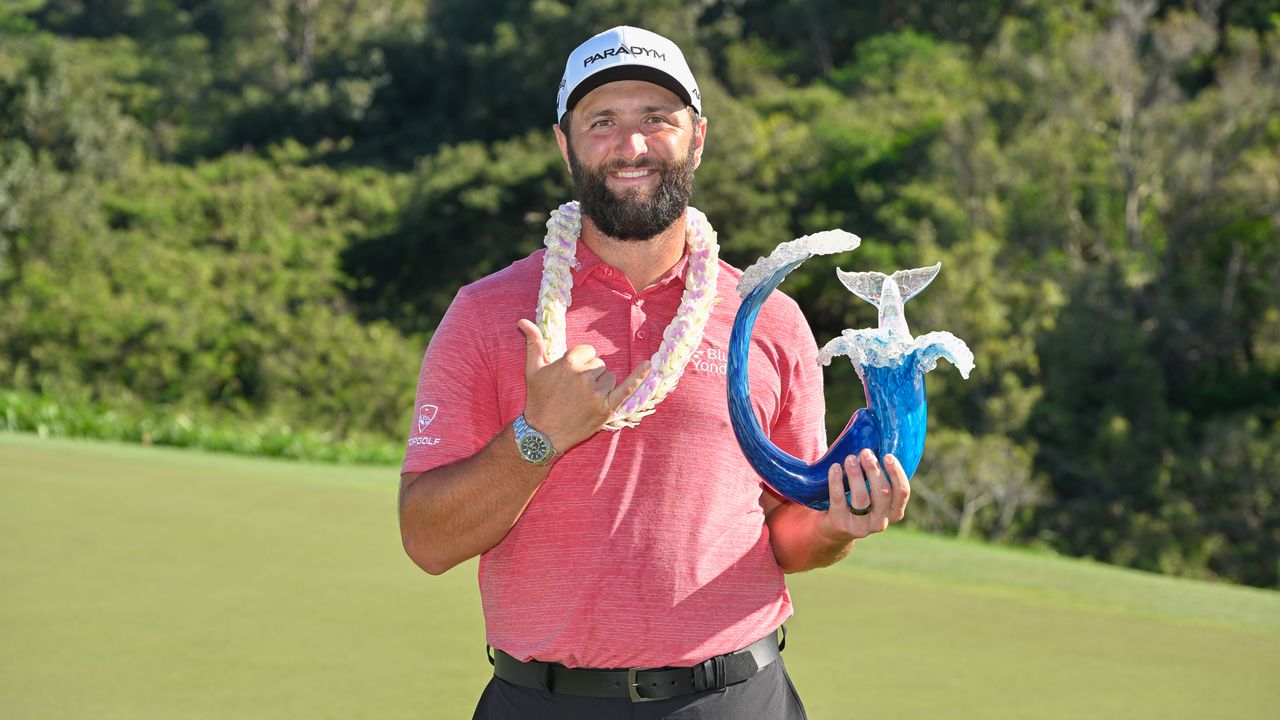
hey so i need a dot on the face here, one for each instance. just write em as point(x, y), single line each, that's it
point(632, 154)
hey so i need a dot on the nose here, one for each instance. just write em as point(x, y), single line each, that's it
point(632, 144)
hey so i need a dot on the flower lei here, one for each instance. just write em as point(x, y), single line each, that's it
point(681, 338)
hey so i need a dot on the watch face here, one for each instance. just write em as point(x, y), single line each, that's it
point(535, 447)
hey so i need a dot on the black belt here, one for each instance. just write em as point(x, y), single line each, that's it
point(641, 684)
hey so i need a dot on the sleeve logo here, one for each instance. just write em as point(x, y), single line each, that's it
point(426, 414)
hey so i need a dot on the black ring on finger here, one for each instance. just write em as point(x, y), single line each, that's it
point(860, 511)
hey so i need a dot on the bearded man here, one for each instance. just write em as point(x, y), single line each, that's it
point(628, 552)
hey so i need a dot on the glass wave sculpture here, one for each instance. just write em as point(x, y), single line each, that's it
point(889, 361)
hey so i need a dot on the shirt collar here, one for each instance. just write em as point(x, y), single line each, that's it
point(588, 264)
point(587, 261)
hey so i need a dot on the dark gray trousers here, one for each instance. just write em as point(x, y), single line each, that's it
point(767, 696)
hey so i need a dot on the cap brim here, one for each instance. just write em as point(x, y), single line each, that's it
point(627, 72)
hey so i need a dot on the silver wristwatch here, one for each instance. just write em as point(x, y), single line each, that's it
point(534, 446)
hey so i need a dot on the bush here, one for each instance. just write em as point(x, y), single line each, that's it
point(269, 437)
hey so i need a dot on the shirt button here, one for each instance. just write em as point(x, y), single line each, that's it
point(639, 302)
point(608, 272)
point(641, 334)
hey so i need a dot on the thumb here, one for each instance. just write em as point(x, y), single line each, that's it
point(535, 347)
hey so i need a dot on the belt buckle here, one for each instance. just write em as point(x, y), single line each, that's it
point(632, 684)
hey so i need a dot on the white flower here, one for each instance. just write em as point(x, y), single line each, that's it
point(681, 337)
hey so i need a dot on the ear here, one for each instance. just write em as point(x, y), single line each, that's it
point(563, 142)
point(699, 140)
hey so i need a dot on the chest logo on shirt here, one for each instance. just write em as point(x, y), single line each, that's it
point(710, 360)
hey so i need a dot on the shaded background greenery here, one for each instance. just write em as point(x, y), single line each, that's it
point(242, 219)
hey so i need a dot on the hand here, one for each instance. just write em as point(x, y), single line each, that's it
point(887, 499)
point(570, 399)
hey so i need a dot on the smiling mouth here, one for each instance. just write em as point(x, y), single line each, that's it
point(629, 174)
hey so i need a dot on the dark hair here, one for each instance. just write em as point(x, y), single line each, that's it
point(564, 121)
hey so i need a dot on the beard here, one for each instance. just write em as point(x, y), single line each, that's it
point(631, 216)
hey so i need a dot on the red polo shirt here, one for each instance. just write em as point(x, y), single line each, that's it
point(647, 546)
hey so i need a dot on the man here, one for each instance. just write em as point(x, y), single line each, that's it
point(607, 551)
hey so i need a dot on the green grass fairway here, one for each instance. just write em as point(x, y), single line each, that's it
point(152, 583)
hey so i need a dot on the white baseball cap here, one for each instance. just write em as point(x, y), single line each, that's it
point(626, 53)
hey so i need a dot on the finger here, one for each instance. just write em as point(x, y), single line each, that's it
point(901, 487)
point(604, 381)
point(535, 349)
point(623, 391)
point(838, 515)
point(881, 493)
point(582, 356)
point(592, 368)
point(861, 497)
point(835, 491)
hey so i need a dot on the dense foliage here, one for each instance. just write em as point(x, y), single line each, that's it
point(255, 212)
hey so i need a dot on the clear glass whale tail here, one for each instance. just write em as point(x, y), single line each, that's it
point(869, 285)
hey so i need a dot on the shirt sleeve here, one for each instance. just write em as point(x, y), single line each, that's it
point(801, 425)
point(456, 408)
